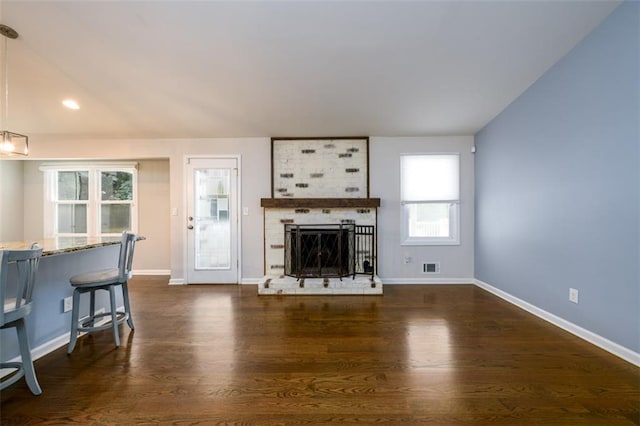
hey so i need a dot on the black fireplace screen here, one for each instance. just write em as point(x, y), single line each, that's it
point(341, 250)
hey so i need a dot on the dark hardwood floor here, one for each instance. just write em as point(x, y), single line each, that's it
point(419, 354)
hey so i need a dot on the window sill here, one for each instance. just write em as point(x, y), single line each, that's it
point(430, 243)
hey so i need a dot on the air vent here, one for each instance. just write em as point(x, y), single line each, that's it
point(431, 267)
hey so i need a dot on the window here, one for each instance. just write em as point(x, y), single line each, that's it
point(90, 200)
point(430, 198)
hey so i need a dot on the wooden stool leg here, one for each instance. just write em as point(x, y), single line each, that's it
point(127, 307)
point(114, 315)
point(92, 308)
point(74, 321)
point(27, 362)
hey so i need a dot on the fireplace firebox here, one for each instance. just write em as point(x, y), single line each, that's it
point(330, 250)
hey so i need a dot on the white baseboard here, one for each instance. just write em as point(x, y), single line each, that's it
point(40, 351)
point(151, 272)
point(243, 281)
point(427, 281)
point(606, 344)
point(55, 343)
point(385, 281)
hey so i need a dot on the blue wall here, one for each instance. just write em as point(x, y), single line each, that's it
point(558, 186)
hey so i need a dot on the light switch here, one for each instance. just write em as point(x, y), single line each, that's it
point(245, 211)
point(174, 211)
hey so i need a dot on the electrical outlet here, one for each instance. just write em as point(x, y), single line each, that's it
point(407, 260)
point(67, 304)
point(573, 295)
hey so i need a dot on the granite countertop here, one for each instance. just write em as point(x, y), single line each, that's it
point(60, 245)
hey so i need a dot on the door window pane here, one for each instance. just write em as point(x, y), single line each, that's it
point(73, 185)
point(116, 186)
point(212, 227)
point(115, 218)
point(72, 218)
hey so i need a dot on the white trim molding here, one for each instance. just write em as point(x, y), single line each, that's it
point(422, 281)
point(177, 281)
point(427, 281)
point(603, 343)
point(93, 203)
point(40, 351)
point(55, 343)
point(151, 272)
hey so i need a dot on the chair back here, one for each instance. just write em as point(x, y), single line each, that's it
point(16, 296)
point(125, 260)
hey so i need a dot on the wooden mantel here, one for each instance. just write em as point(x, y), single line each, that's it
point(287, 203)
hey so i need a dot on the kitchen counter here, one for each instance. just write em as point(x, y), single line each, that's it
point(61, 245)
point(49, 324)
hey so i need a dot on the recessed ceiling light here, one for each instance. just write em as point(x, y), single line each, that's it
point(71, 104)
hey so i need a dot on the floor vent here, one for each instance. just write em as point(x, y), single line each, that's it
point(431, 267)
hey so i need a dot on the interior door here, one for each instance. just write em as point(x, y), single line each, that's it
point(212, 220)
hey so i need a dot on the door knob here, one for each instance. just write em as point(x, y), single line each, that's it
point(190, 217)
point(190, 227)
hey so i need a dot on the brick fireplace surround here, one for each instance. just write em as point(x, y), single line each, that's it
point(320, 181)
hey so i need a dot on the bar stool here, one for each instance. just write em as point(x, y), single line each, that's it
point(16, 301)
point(108, 280)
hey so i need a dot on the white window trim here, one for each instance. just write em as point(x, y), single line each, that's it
point(94, 203)
point(454, 238)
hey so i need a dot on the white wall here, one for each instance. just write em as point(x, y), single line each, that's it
point(154, 254)
point(255, 180)
point(456, 262)
point(11, 204)
point(153, 197)
point(33, 201)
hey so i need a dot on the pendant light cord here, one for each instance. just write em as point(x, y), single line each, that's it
point(5, 58)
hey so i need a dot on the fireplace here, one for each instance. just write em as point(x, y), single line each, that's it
point(329, 250)
point(320, 223)
point(316, 251)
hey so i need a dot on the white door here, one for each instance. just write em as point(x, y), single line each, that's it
point(212, 220)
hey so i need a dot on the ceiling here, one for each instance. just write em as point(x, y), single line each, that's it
point(200, 69)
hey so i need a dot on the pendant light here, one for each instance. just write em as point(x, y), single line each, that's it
point(11, 143)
